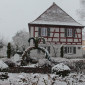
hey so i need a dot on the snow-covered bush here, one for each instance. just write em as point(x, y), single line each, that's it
point(76, 65)
point(79, 65)
point(17, 59)
point(61, 69)
point(44, 62)
point(9, 50)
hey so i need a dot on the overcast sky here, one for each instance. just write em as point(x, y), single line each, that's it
point(16, 14)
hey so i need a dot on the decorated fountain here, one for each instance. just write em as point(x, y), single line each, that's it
point(36, 41)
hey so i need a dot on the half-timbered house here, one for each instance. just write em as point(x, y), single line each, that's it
point(59, 29)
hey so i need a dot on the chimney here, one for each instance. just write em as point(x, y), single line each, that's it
point(53, 3)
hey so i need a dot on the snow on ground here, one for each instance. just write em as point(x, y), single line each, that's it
point(30, 65)
point(43, 79)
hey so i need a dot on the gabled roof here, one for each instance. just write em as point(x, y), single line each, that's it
point(54, 15)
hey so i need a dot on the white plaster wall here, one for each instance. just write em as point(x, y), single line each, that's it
point(56, 35)
point(52, 29)
point(55, 39)
point(31, 35)
point(36, 28)
point(78, 30)
point(75, 40)
point(62, 29)
point(36, 34)
point(75, 36)
point(63, 40)
point(69, 40)
point(51, 34)
point(79, 35)
point(57, 29)
point(31, 31)
point(62, 35)
point(49, 39)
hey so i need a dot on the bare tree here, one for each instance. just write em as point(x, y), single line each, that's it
point(81, 13)
point(21, 40)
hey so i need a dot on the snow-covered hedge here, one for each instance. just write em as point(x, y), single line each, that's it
point(61, 69)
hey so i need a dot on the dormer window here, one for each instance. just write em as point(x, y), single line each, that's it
point(44, 32)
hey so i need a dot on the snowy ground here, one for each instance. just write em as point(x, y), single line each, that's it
point(43, 79)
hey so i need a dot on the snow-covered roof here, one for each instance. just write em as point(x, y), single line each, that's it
point(54, 15)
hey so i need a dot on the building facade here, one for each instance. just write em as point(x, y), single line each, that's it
point(59, 29)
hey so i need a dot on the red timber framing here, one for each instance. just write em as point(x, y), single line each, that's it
point(59, 38)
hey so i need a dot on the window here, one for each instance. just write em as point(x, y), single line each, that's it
point(43, 31)
point(70, 50)
point(69, 32)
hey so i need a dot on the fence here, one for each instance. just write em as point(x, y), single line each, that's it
point(28, 70)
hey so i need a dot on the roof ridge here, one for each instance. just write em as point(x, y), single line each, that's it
point(44, 11)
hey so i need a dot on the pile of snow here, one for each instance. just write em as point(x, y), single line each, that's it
point(3, 65)
point(60, 67)
point(16, 59)
point(44, 62)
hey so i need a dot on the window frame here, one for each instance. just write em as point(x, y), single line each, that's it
point(70, 49)
point(43, 32)
point(69, 32)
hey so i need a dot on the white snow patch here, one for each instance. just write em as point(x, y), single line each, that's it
point(16, 59)
point(60, 67)
point(31, 65)
point(42, 62)
point(42, 79)
point(21, 76)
